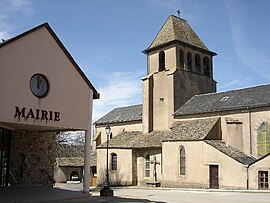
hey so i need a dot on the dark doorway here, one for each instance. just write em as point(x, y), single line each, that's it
point(4, 156)
point(213, 176)
point(74, 176)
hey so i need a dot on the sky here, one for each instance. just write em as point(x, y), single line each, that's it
point(106, 38)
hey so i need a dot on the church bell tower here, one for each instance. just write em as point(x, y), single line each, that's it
point(179, 66)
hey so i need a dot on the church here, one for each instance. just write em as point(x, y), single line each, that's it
point(185, 134)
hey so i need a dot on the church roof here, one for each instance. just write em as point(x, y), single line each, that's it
point(190, 130)
point(136, 139)
point(122, 114)
point(232, 152)
point(176, 29)
point(231, 100)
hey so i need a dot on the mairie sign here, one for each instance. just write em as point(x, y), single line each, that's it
point(37, 114)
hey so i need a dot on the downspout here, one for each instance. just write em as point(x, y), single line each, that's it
point(250, 134)
point(247, 166)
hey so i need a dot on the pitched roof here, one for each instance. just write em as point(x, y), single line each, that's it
point(230, 151)
point(191, 129)
point(70, 161)
point(122, 114)
point(176, 29)
point(47, 26)
point(231, 100)
point(135, 139)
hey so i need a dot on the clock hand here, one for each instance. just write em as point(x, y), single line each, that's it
point(38, 82)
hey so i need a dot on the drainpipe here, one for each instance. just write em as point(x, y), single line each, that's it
point(247, 167)
point(250, 133)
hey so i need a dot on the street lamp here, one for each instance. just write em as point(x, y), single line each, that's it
point(106, 190)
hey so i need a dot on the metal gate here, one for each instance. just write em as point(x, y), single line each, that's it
point(4, 156)
point(213, 176)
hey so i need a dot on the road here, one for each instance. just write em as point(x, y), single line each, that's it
point(162, 195)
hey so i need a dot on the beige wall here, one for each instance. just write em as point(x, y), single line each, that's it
point(239, 126)
point(262, 165)
point(199, 156)
point(123, 174)
point(69, 94)
point(140, 159)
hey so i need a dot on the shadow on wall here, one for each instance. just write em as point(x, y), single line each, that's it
point(116, 179)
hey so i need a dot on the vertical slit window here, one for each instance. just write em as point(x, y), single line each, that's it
point(147, 166)
point(182, 161)
point(161, 56)
point(189, 60)
point(198, 63)
point(181, 58)
point(114, 161)
point(206, 66)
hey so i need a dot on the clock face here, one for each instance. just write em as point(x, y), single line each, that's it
point(39, 85)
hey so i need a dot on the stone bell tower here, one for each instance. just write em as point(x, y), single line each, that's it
point(179, 66)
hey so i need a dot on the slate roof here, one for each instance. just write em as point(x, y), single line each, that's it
point(231, 100)
point(122, 114)
point(191, 129)
point(230, 151)
point(176, 29)
point(136, 139)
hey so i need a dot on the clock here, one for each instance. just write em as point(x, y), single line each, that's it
point(39, 85)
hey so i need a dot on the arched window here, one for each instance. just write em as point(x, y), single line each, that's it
point(189, 60)
point(161, 56)
point(182, 160)
point(181, 58)
point(198, 62)
point(263, 139)
point(206, 66)
point(147, 166)
point(114, 161)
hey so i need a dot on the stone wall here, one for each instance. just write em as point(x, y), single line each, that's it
point(32, 157)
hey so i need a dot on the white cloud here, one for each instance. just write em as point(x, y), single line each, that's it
point(8, 9)
point(253, 56)
point(120, 89)
point(229, 85)
point(17, 5)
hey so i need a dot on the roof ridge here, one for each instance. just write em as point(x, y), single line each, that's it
point(133, 105)
point(233, 90)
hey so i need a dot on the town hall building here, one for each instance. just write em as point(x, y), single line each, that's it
point(43, 92)
point(185, 134)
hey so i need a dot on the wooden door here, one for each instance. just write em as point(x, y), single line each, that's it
point(213, 177)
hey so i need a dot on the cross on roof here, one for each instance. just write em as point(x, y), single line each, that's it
point(178, 12)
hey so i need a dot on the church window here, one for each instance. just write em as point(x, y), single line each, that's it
point(161, 60)
point(206, 66)
point(189, 60)
point(181, 58)
point(182, 161)
point(147, 166)
point(263, 139)
point(114, 161)
point(198, 62)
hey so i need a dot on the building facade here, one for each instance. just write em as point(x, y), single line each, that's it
point(43, 91)
point(185, 134)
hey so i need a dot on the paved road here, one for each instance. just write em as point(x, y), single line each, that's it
point(162, 195)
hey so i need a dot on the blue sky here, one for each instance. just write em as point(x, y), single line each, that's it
point(106, 38)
